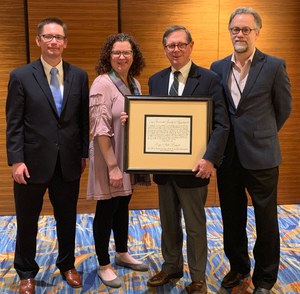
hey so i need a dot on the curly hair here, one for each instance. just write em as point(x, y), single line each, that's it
point(104, 66)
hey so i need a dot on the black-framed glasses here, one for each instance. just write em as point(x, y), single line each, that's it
point(245, 30)
point(125, 53)
point(180, 46)
point(49, 37)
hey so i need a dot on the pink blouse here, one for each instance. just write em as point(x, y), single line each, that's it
point(106, 105)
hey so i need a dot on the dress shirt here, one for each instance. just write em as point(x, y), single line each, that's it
point(182, 77)
point(60, 75)
point(238, 78)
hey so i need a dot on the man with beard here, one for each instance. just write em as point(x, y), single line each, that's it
point(259, 102)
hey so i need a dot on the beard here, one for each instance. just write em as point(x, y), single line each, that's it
point(241, 48)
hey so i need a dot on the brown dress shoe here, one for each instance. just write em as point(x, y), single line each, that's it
point(163, 278)
point(73, 278)
point(197, 287)
point(243, 287)
point(233, 279)
point(27, 286)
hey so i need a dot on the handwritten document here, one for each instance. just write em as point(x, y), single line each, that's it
point(168, 134)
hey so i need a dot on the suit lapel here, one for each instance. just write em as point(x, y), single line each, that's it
point(225, 77)
point(164, 82)
point(41, 79)
point(256, 66)
point(255, 69)
point(68, 78)
point(192, 81)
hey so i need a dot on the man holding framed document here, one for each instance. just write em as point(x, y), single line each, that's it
point(187, 192)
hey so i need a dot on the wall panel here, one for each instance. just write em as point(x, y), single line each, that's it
point(279, 36)
point(13, 54)
point(91, 21)
point(147, 22)
point(208, 21)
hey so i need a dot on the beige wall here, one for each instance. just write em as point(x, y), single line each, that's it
point(91, 21)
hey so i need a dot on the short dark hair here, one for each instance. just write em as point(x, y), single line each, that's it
point(174, 28)
point(46, 21)
point(104, 66)
point(247, 10)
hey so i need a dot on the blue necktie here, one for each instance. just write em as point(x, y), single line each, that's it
point(174, 86)
point(54, 86)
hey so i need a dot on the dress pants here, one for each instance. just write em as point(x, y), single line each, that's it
point(191, 201)
point(233, 181)
point(28, 203)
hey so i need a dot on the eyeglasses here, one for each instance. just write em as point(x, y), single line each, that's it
point(49, 38)
point(180, 46)
point(126, 53)
point(245, 30)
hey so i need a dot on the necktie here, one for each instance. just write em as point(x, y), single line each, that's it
point(54, 86)
point(174, 86)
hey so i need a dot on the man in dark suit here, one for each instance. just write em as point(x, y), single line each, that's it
point(259, 102)
point(47, 145)
point(187, 192)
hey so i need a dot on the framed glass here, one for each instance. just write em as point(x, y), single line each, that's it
point(166, 134)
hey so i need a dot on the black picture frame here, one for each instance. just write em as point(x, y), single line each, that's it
point(165, 134)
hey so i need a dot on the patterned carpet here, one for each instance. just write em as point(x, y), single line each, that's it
point(144, 243)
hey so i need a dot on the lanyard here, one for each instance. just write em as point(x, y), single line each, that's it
point(236, 82)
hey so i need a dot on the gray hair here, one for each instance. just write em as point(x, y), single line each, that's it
point(247, 10)
point(174, 28)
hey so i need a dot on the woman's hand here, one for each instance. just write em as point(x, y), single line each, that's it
point(115, 177)
point(123, 118)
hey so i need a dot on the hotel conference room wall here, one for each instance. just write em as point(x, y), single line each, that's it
point(91, 21)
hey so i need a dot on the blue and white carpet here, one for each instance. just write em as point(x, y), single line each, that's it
point(144, 244)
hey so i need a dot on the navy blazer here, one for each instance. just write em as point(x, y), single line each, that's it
point(200, 83)
point(35, 132)
point(264, 107)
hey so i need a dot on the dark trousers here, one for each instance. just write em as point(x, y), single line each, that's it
point(28, 202)
point(233, 181)
point(111, 215)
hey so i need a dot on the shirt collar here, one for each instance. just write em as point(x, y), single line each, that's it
point(250, 59)
point(48, 67)
point(184, 70)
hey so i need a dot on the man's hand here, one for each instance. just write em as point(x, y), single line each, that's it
point(83, 164)
point(18, 171)
point(204, 169)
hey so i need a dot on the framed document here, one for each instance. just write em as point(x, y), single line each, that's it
point(166, 134)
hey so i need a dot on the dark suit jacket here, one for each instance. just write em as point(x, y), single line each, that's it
point(35, 132)
point(264, 107)
point(200, 83)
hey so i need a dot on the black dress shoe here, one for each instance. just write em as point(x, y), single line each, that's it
point(233, 279)
point(259, 290)
point(163, 278)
